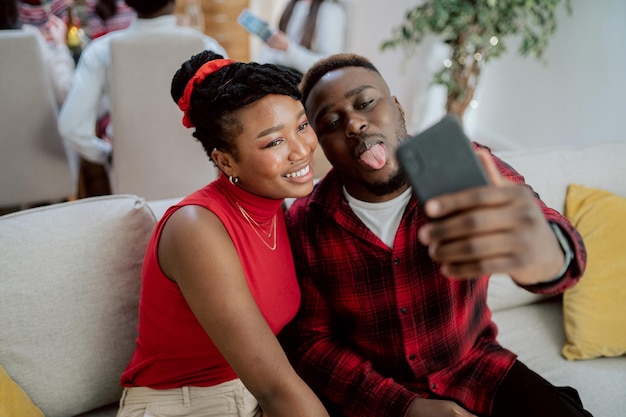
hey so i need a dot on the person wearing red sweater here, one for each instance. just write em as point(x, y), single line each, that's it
point(218, 280)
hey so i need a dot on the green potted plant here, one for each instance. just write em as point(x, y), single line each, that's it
point(475, 31)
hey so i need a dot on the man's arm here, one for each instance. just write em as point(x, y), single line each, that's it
point(502, 228)
point(77, 119)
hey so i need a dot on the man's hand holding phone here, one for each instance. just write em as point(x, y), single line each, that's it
point(489, 226)
point(492, 229)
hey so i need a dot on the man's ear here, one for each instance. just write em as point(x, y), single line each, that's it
point(395, 99)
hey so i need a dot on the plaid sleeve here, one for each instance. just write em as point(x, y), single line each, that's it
point(578, 264)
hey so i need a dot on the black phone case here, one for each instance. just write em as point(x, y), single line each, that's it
point(440, 160)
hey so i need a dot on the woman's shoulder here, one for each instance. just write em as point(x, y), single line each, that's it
point(188, 224)
point(207, 200)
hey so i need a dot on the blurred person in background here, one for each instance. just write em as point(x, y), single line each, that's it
point(84, 118)
point(95, 17)
point(308, 31)
point(104, 16)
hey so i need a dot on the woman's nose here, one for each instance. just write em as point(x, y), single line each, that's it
point(300, 147)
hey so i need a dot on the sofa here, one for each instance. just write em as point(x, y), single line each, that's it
point(70, 281)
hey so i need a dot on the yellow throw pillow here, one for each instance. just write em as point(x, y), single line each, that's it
point(13, 400)
point(594, 310)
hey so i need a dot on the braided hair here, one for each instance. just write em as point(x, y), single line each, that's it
point(216, 100)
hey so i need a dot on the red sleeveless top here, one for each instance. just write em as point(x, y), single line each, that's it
point(172, 350)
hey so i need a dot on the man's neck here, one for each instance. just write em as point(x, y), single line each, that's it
point(369, 197)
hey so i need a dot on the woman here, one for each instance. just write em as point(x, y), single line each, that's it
point(218, 277)
point(309, 30)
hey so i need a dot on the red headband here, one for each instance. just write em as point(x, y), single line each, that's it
point(208, 68)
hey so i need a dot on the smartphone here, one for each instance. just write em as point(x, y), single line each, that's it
point(441, 160)
point(255, 25)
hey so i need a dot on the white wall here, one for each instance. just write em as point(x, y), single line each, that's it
point(576, 98)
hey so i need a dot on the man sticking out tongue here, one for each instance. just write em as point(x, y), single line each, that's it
point(374, 156)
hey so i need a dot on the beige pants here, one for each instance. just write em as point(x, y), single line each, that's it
point(224, 400)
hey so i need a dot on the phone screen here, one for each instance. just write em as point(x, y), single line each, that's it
point(255, 25)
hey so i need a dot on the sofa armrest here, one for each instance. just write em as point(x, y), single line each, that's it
point(70, 277)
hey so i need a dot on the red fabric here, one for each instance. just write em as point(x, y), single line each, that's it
point(36, 14)
point(102, 124)
point(172, 348)
point(184, 103)
point(97, 27)
point(380, 326)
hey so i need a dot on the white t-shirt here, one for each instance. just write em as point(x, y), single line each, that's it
point(383, 218)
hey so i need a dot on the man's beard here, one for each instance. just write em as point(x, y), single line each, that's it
point(398, 178)
point(397, 181)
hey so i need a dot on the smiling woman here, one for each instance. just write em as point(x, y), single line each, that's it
point(218, 279)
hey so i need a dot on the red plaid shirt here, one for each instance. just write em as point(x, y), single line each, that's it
point(378, 326)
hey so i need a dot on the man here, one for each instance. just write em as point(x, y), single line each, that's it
point(83, 120)
point(394, 318)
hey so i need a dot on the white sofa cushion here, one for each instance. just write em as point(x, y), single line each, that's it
point(68, 326)
point(503, 293)
point(550, 172)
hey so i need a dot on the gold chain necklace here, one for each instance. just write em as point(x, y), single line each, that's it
point(253, 223)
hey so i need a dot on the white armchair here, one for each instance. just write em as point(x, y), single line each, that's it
point(34, 164)
point(154, 156)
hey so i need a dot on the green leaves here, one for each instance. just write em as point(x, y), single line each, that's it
point(470, 27)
